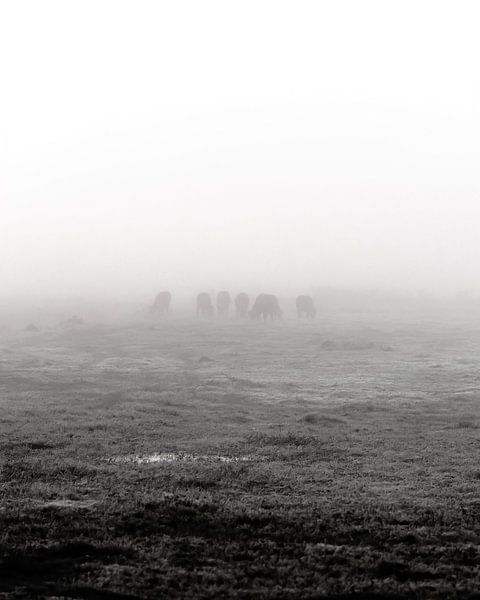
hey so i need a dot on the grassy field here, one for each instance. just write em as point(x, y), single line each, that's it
point(203, 459)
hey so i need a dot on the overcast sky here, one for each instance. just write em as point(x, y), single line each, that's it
point(249, 144)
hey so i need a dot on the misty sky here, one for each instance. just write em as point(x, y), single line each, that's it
point(253, 144)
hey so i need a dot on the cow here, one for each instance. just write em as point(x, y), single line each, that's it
point(161, 304)
point(265, 306)
point(242, 302)
point(305, 307)
point(223, 303)
point(204, 305)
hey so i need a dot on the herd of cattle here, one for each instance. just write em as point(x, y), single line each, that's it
point(266, 306)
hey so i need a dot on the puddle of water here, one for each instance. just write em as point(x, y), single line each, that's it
point(170, 457)
point(69, 504)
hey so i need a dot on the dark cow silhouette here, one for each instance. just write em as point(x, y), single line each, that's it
point(204, 305)
point(223, 303)
point(265, 306)
point(161, 304)
point(242, 302)
point(305, 307)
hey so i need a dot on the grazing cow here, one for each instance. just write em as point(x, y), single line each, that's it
point(266, 306)
point(204, 305)
point(161, 305)
point(305, 307)
point(223, 303)
point(242, 302)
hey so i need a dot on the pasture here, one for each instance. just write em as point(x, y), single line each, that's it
point(184, 458)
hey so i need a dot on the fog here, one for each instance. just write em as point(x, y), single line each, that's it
point(258, 145)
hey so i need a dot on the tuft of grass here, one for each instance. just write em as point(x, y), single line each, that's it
point(40, 445)
point(466, 424)
point(316, 419)
point(205, 359)
point(288, 438)
point(348, 345)
point(292, 446)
